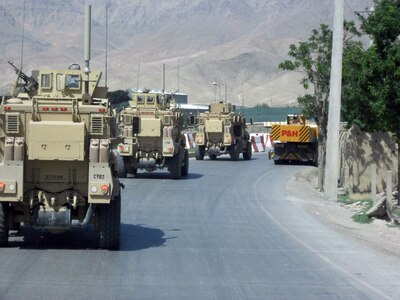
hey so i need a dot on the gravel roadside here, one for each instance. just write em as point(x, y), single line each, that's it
point(379, 234)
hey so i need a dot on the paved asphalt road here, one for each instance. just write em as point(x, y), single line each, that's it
point(228, 231)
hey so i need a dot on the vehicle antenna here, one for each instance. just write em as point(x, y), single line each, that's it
point(138, 75)
point(178, 74)
point(163, 78)
point(23, 36)
point(106, 58)
point(88, 20)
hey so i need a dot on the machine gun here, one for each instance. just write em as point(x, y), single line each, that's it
point(29, 85)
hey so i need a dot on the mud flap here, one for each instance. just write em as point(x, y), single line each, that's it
point(101, 183)
point(11, 173)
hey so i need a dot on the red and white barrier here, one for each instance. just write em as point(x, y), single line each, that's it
point(261, 142)
point(268, 143)
point(190, 140)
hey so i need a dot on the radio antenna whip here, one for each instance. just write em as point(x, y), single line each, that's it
point(178, 73)
point(23, 37)
point(106, 62)
point(138, 75)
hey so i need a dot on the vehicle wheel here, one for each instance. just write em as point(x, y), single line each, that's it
point(175, 166)
point(4, 224)
point(109, 222)
point(134, 171)
point(16, 226)
point(200, 152)
point(277, 162)
point(234, 152)
point(185, 167)
point(315, 160)
point(247, 155)
point(212, 156)
point(119, 165)
point(130, 169)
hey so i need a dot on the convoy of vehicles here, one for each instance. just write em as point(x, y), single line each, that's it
point(295, 141)
point(151, 132)
point(57, 168)
point(222, 131)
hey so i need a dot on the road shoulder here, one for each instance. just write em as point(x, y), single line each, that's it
point(379, 234)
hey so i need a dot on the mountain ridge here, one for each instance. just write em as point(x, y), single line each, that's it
point(234, 42)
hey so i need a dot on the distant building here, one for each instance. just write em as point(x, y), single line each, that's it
point(194, 109)
point(180, 98)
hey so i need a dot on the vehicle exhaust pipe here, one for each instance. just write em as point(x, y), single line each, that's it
point(86, 220)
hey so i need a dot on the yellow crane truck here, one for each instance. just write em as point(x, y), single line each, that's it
point(296, 141)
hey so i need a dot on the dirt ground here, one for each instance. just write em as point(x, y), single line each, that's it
point(380, 234)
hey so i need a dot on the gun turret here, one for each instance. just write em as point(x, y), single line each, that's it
point(30, 84)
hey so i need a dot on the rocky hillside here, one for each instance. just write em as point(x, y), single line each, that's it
point(237, 42)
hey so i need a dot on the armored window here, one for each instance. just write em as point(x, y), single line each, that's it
point(140, 99)
point(150, 99)
point(72, 82)
point(45, 81)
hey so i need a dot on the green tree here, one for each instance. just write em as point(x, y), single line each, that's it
point(372, 96)
point(313, 58)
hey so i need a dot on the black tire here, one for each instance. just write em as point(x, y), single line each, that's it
point(133, 171)
point(200, 152)
point(4, 230)
point(109, 222)
point(315, 160)
point(234, 152)
point(212, 156)
point(185, 166)
point(247, 155)
point(130, 169)
point(175, 166)
point(16, 226)
point(119, 165)
point(277, 162)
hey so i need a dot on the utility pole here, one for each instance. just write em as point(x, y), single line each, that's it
point(332, 144)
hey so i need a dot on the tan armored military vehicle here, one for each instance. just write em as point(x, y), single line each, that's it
point(151, 129)
point(222, 131)
point(55, 170)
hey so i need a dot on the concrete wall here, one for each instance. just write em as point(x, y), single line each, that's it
point(358, 151)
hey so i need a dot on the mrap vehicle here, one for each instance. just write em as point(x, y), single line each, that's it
point(295, 141)
point(55, 159)
point(222, 131)
point(151, 131)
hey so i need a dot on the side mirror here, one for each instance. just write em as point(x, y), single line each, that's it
point(251, 121)
point(192, 120)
